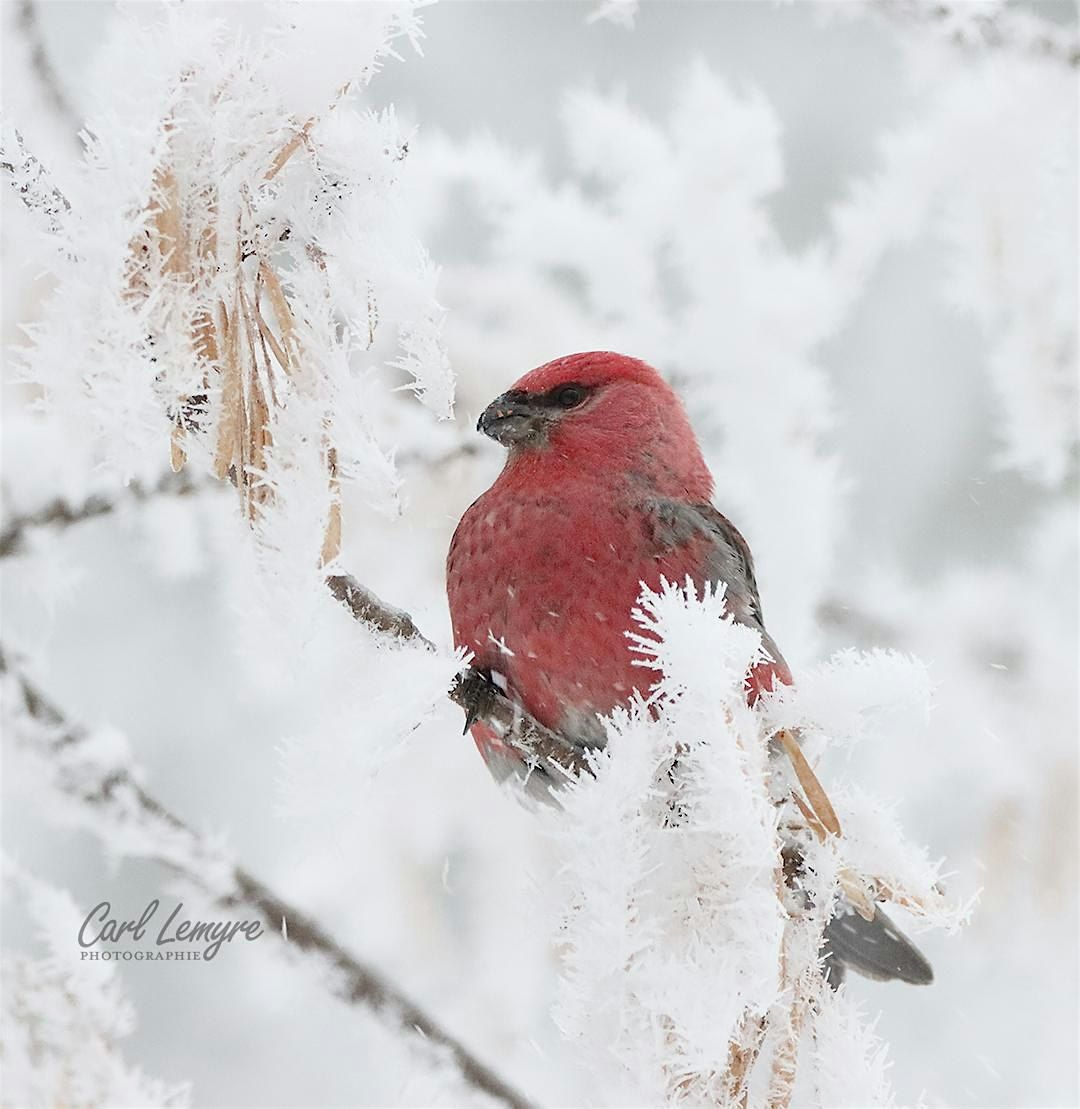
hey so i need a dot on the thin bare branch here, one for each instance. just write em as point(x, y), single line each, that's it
point(120, 810)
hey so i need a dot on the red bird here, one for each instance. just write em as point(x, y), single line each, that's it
point(604, 490)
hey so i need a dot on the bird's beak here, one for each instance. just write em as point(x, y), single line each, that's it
point(513, 421)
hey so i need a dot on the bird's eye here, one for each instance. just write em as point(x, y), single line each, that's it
point(570, 396)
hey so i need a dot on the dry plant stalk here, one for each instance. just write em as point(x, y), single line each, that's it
point(804, 987)
point(743, 1052)
point(800, 978)
point(801, 981)
point(246, 341)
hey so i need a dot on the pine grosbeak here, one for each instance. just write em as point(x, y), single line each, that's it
point(604, 490)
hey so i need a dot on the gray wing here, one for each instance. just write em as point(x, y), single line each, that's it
point(873, 948)
point(675, 523)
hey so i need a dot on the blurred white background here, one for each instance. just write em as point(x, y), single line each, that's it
point(875, 460)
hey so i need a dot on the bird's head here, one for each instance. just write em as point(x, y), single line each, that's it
point(598, 409)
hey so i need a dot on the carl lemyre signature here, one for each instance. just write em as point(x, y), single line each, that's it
point(100, 927)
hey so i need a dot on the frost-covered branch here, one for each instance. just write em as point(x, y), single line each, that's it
point(94, 771)
point(472, 691)
point(60, 513)
point(704, 865)
point(988, 26)
point(239, 282)
point(31, 181)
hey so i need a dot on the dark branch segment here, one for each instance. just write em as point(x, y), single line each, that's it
point(358, 984)
point(124, 813)
point(368, 609)
point(473, 692)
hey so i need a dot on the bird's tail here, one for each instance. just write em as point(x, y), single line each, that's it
point(873, 948)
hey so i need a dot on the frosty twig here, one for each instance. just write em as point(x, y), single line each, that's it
point(473, 692)
point(111, 802)
point(31, 181)
point(59, 513)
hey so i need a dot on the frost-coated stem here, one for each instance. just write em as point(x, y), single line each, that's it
point(32, 182)
point(122, 811)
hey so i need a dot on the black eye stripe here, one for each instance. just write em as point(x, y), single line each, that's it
point(562, 397)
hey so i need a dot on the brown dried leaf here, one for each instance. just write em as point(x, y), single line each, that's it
point(177, 455)
point(743, 1052)
point(913, 902)
point(280, 303)
point(300, 137)
point(229, 416)
point(812, 821)
point(332, 538)
point(859, 893)
point(280, 355)
point(289, 149)
point(331, 546)
point(815, 792)
point(171, 238)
